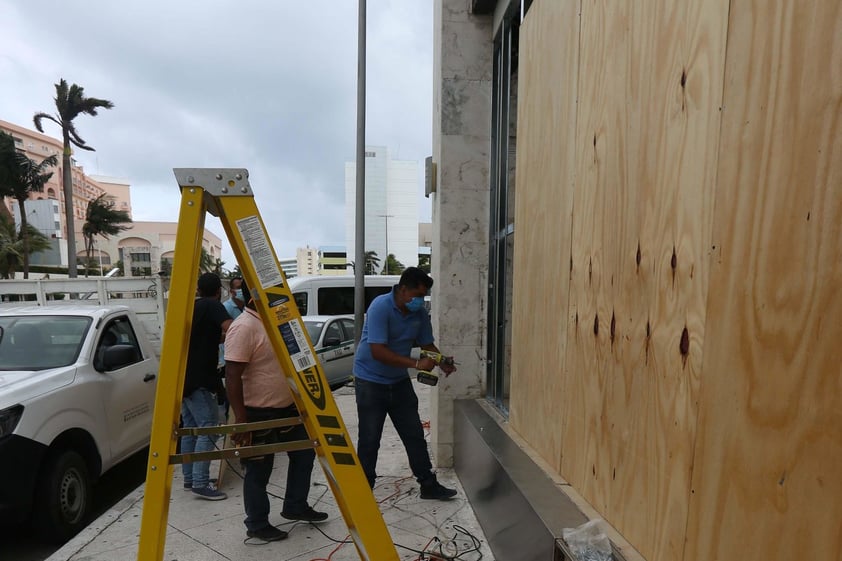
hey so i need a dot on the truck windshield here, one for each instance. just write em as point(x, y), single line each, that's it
point(41, 342)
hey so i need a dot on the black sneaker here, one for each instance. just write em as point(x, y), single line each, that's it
point(308, 515)
point(436, 491)
point(268, 534)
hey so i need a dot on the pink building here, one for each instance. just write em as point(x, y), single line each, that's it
point(141, 248)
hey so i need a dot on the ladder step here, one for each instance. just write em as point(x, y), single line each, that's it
point(241, 452)
point(238, 428)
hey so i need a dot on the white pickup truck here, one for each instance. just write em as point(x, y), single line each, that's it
point(77, 391)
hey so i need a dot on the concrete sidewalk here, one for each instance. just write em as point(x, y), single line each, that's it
point(202, 530)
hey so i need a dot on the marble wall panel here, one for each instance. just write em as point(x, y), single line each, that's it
point(465, 107)
point(463, 48)
point(465, 162)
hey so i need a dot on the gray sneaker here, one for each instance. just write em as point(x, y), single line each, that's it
point(209, 493)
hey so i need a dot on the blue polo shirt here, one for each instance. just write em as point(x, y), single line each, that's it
point(385, 324)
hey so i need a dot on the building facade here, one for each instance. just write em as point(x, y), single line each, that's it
point(289, 265)
point(391, 206)
point(332, 260)
point(637, 229)
point(145, 248)
point(307, 261)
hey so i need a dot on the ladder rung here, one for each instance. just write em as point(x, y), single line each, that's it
point(243, 452)
point(239, 427)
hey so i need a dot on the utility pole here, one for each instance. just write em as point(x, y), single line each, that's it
point(386, 236)
point(359, 232)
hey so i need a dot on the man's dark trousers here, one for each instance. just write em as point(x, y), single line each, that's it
point(374, 402)
point(259, 469)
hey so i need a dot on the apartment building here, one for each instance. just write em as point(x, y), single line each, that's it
point(144, 248)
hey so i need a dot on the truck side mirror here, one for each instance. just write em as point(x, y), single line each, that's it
point(118, 356)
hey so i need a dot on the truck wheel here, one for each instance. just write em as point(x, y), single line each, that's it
point(63, 498)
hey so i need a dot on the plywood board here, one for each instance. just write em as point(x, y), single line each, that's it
point(766, 481)
point(546, 119)
point(599, 137)
point(673, 88)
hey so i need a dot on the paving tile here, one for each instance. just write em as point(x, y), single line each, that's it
point(200, 530)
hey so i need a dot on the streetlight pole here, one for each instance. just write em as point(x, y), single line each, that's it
point(359, 233)
point(386, 236)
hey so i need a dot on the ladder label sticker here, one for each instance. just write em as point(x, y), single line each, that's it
point(297, 346)
point(260, 251)
point(283, 313)
point(275, 297)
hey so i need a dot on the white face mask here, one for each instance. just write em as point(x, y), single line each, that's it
point(238, 294)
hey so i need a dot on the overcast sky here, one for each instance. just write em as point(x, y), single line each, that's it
point(269, 85)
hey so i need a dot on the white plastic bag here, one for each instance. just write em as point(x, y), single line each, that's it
point(588, 542)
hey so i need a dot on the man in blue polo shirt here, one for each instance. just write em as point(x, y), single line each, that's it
point(395, 322)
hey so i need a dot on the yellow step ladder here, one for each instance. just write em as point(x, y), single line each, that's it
point(227, 194)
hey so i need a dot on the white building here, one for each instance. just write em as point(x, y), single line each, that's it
point(307, 260)
point(391, 206)
point(289, 265)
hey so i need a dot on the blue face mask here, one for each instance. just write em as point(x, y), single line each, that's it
point(238, 294)
point(415, 304)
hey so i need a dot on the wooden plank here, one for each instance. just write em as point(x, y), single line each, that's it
point(766, 480)
point(668, 157)
point(643, 175)
point(600, 135)
point(548, 48)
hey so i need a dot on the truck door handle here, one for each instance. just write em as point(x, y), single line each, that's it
point(148, 377)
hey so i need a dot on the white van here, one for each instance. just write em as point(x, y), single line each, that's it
point(330, 295)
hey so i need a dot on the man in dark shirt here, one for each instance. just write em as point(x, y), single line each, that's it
point(201, 382)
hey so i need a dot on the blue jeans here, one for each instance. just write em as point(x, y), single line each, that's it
point(374, 402)
point(259, 469)
point(199, 409)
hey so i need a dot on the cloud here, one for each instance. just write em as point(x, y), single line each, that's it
point(269, 86)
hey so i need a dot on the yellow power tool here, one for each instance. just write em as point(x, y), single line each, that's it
point(426, 376)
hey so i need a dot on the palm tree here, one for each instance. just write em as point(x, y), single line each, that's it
point(102, 219)
point(392, 265)
point(372, 262)
point(11, 245)
point(22, 176)
point(70, 103)
point(33, 180)
point(208, 263)
point(424, 263)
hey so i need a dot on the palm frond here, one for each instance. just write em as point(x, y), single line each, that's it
point(91, 104)
point(76, 139)
point(40, 116)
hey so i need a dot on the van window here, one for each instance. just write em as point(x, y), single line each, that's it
point(372, 292)
point(301, 302)
point(335, 300)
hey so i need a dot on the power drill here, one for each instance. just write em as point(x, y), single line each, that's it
point(426, 376)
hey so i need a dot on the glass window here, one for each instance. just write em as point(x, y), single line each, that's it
point(117, 332)
point(336, 300)
point(314, 329)
point(334, 332)
point(348, 328)
point(502, 218)
point(301, 302)
point(372, 292)
point(41, 342)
